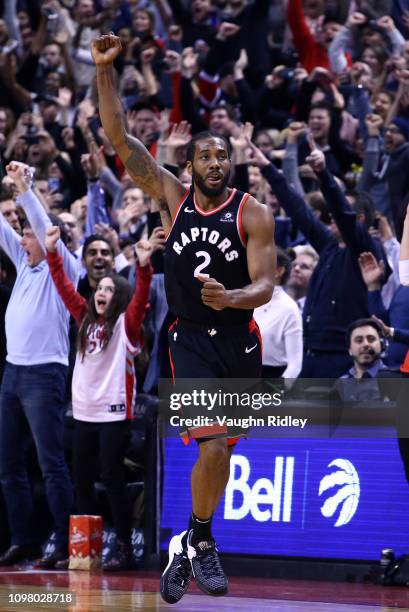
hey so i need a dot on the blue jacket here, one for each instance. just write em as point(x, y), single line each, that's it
point(396, 316)
point(337, 294)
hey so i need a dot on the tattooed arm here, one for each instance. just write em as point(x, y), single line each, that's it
point(154, 180)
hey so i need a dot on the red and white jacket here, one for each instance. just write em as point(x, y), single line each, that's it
point(103, 384)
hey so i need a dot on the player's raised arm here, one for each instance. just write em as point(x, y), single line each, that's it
point(147, 174)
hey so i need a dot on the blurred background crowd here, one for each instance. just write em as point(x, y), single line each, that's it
point(290, 76)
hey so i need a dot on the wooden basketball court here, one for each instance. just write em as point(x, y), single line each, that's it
point(139, 591)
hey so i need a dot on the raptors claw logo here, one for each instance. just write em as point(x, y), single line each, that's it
point(346, 491)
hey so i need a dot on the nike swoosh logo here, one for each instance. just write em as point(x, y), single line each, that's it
point(248, 350)
point(189, 210)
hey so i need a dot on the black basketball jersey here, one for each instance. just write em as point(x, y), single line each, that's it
point(206, 242)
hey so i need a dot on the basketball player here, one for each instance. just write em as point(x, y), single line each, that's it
point(220, 262)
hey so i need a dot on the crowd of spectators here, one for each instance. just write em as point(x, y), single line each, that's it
point(314, 96)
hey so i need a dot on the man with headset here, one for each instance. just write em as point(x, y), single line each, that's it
point(366, 345)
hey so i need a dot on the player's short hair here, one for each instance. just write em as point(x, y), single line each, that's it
point(190, 152)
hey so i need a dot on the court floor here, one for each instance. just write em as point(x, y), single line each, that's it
point(123, 592)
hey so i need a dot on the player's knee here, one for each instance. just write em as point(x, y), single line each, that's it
point(215, 454)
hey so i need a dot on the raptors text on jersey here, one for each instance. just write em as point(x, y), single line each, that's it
point(211, 243)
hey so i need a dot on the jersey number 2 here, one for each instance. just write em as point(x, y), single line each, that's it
point(204, 264)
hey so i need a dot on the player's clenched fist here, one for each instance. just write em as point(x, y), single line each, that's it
point(105, 49)
point(214, 294)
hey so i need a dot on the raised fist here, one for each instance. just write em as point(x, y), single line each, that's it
point(316, 160)
point(144, 250)
point(52, 235)
point(296, 129)
point(21, 174)
point(105, 49)
point(356, 19)
point(373, 124)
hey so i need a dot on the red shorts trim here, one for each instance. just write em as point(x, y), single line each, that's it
point(230, 441)
point(253, 327)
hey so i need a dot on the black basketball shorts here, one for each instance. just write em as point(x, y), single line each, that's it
point(204, 351)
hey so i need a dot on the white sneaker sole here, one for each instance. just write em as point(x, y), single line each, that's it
point(175, 548)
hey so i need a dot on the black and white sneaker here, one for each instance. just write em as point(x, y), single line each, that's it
point(175, 579)
point(206, 567)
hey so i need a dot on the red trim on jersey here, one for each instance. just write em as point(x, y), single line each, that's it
point(239, 220)
point(181, 202)
point(253, 327)
point(206, 213)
